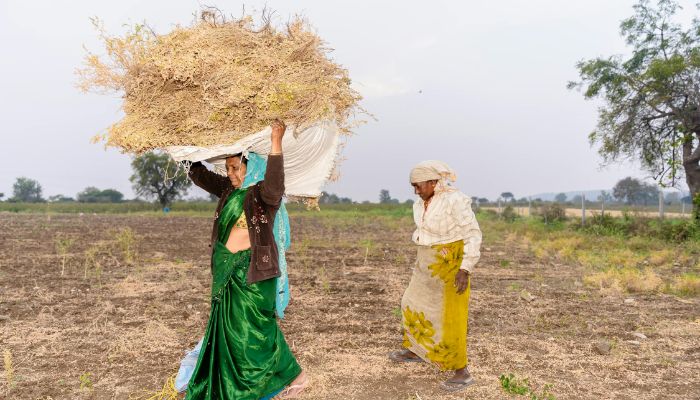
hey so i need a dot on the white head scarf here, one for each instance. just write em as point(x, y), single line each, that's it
point(433, 170)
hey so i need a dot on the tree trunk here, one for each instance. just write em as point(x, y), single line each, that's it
point(691, 165)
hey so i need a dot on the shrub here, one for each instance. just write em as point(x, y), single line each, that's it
point(686, 285)
point(626, 279)
point(509, 214)
point(552, 213)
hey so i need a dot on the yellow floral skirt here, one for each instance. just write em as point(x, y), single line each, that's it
point(435, 317)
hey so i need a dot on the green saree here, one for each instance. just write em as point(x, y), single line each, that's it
point(244, 355)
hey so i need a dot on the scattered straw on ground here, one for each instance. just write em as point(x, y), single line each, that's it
point(168, 392)
point(217, 81)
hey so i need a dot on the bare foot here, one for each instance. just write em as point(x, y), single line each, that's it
point(296, 387)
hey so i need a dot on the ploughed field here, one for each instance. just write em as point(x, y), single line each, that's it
point(104, 306)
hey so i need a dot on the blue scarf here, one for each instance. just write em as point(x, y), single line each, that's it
point(255, 172)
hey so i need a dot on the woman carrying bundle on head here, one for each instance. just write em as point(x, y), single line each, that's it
point(243, 353)
point(435, 306)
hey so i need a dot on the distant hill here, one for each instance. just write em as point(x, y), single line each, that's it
point(591, 195)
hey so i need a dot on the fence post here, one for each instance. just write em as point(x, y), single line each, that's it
point(682, 207)
point(499, 206)
point(583, 209)
point(661, 204)
point(602, 206)
point(529, 207)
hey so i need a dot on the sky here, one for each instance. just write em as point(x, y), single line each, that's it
point(479, 85)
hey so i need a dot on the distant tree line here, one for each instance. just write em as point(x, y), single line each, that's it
point(332, 198)
point(627, 191)
point(28, 190)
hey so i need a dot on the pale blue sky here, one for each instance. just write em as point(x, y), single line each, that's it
point(493, 75)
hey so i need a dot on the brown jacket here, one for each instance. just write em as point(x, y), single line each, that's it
point(260, 206)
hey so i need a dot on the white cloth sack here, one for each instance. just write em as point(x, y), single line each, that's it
point(309, 155)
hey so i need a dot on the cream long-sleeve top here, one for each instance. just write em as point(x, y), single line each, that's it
point(449, 218)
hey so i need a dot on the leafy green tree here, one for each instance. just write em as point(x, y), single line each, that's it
point(328, 198)
point(649, 194)
point(94, 195)
point(384, 197)
point(507, 195)
point(1, 196)
point(112, 195)
point(605, 196)
point(632, 191)
point(651, 108)
point(627, 190)
point(560, 198)
point(157, 176)
point(90, 194)
point(26, 190)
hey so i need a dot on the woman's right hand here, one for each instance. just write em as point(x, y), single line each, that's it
point(278, 129)
point(276, 136)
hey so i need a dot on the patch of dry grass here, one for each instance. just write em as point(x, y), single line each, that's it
point(9, 368)
point(613, 263)
point(687, 284)
point(626, 279)
point(167, 392)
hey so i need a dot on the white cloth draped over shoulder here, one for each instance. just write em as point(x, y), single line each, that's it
point(309, 155)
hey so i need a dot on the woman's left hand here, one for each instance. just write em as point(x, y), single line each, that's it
point(462, 281)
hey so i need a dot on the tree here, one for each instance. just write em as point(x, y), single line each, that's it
point(627, 190)
point(507, 195)
point(605, 197)
point(26, 190)
point(577, 199)
point(327, 198)
point(112, 195)
point(649, 194)
point(651, 108)
point(560, 198)
point(483, 200)
point(384, 197)
point(94, 195)
point(632, 191)
point(157, 176)
point(1, 196)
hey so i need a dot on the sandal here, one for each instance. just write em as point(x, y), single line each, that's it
point(404, 356)
point(457, 386)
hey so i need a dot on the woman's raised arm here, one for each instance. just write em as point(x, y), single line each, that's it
point(208, 180)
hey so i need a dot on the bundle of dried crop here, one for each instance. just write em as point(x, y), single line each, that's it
point(217, 81)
